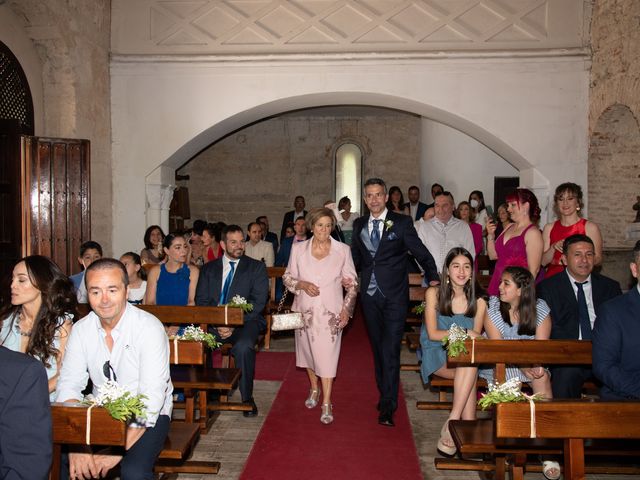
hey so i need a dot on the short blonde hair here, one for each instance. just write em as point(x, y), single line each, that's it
point(316, 214)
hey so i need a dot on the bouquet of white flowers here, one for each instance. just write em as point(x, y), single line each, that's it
point(454, 341)
point(196, 334)
point(241, 302)
point(509, 391)
point(120, 403)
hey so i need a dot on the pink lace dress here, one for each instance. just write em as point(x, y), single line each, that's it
point(511, 253)
point(318, 342)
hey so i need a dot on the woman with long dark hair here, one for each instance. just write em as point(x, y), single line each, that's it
point(38, 319)
point(152, 251)
point(453, 301)
point(396, 201)
point(516, 315)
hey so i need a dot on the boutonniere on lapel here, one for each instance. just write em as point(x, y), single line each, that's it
point(387, 227)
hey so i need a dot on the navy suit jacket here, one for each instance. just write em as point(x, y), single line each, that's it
point(390, 260)
point(288, 218)
point(250, 281)
point(559, 295)
point(616, 343)
point(77, 280)
point(422, 207)
point(26, 440)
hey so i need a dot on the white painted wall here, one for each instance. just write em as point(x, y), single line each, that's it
point(530, 110)
point(458, 162)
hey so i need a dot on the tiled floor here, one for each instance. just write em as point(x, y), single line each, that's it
point(230, 439)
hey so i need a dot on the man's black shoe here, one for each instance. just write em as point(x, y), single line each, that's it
point(254, 409)
point(386, 418)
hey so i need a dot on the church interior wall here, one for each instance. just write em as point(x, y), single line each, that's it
point(274, 160)
point(72, 43)
point(614, 111)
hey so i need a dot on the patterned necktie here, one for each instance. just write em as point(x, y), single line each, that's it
point(375, 234)
point(583, 312)
point(227, 284)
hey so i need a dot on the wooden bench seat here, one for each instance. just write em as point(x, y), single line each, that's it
point(187, 376)
point(178, 447)
point(520, 352)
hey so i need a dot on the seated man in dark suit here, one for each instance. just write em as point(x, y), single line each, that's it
point(415, 206)
point(236, 274)
point(290, 217)
point(26, 442)
point(575, 297)
point(616, 342)
point(300, 227)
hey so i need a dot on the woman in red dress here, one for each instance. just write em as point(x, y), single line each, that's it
point(567, 205)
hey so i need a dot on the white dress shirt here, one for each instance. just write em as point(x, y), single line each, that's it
point(261, 251)
point(140, 359)
point(588, 295)
point(440, 237)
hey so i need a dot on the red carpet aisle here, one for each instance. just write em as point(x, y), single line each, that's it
point(293, 444)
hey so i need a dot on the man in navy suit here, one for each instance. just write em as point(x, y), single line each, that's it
point(561, 292)
point(379, 247)
point(415, 206)
point(26, 442)
point(236, 274)
point(616, 341)
point(290, 217)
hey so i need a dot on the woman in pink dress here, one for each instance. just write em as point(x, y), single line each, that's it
point(520, 244)
point(567, 205)
point(318, 268)
point(468, 215)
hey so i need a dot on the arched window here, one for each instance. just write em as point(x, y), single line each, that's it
point(349, 174)
point(15, 96)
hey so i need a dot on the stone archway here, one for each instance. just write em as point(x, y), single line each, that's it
point(613, 174)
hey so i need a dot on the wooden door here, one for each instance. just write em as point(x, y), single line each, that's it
point(56, 198)
point(10, 218)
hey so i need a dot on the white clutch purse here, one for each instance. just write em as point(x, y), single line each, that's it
point(287, 320)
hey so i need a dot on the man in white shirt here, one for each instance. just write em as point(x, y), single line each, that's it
point(444, 232)
point(122, 343)
point(257, 248)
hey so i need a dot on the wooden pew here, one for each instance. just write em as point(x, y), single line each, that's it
point(70, 428)
point(274, 273)
point(571, 421)
point(471, 436)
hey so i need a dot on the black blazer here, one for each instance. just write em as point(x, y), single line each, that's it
point(249, 281)
point(390, 261)
point(26, 440)
point(288, 218)
point(422, 207)
point(559, 295)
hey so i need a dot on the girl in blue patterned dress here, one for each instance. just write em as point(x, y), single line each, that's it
point(516, 315)
point(454, 301)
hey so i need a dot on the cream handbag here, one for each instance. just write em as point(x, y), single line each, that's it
point(286, 321)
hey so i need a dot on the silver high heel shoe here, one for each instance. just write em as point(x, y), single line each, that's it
point(312, 400)
point(327, 413)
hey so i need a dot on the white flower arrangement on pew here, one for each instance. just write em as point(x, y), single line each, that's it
point(196, 334)
point(240, 302)
point(509, 391)
point(454, 341)
point(120, 403)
